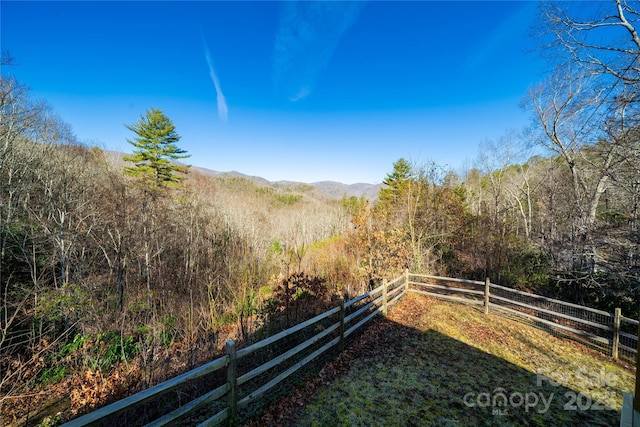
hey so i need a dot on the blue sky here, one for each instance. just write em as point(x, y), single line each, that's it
point(306, 91)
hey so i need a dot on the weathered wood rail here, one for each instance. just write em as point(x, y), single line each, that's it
point(241, 388)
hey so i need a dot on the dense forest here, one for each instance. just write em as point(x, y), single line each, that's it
point(117, 272)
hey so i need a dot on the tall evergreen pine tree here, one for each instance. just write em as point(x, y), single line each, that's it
point(396, 182)
point(155, 149)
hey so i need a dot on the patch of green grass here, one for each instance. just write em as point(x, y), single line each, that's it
point(52, 375)
point(436, 363)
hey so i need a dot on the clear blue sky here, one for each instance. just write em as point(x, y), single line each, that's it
point(305, 91)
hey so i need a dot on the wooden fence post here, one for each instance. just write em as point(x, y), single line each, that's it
point(231, 379)
point(616, 333)
point(384, 296)
point(487, 284)
point(341, 329)
point(406, 280)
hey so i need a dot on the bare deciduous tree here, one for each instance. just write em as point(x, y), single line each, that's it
point(602, 37)
point(566, 111)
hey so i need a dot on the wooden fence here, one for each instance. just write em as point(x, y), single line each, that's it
point(611, 333)
point(237, 382)
point(242, 381)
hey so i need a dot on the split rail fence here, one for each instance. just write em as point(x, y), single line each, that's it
point(611, 333)
point(238, 382)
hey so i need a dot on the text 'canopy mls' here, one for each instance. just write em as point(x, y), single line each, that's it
point(155, 149)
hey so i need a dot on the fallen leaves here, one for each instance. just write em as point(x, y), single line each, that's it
point(94, 389)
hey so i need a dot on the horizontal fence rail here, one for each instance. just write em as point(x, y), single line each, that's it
point(243, 376)
point(148, 394)
point(610, 333)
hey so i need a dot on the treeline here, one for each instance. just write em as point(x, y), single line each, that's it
point(515, 225)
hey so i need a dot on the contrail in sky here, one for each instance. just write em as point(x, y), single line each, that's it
point(308, 33)
point(223, 110)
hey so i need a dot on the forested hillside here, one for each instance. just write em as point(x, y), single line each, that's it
point(117, 273)
point(108, 269)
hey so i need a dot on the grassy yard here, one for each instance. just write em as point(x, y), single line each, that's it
point(436, 363)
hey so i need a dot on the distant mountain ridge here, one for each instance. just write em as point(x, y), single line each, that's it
point(332, 189)
point(329, 189)
point(338, 189)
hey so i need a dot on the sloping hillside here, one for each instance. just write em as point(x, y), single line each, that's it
point(436, 363)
